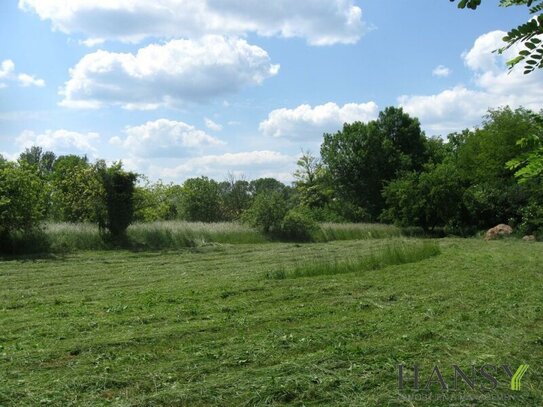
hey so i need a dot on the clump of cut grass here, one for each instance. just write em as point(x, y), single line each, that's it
point(391, 254)
point(355, 231)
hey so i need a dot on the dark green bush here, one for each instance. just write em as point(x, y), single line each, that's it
point(297, 225)
point(119, 188)
point(266, 212)
point(532, 220)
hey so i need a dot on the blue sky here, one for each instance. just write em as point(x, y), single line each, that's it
point(180, 88)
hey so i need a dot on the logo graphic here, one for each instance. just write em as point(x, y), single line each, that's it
point(515, 380)
point(485, 377)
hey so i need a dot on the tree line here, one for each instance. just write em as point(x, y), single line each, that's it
point(385, 170)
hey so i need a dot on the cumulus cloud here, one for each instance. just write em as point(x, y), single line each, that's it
point(461, 106)
point(178, 71)
point(6, 68)
point(250, 164)
point(164, 138)
point(59, 141)
point(8, 74)
point(220, 165)
point(320, 22)
point(441, 71)
point(306, 122)
point(28, 80)
point(211, 125)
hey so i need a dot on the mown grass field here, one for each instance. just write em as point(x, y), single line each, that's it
point(207, 326)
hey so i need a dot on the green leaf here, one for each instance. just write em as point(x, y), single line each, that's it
point(512, 62)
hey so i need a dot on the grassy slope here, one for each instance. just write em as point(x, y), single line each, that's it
point(205, 327)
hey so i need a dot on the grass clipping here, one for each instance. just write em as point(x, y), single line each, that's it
point(389, 255)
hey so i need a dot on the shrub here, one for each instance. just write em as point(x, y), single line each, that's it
point(22, 203)
point(119, 188)
point(429, 199)
point(266, 212)
point(200, 200)
point(298, 226)
point(532, 220)
point(76, 190)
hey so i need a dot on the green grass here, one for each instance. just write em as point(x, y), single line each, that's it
point(164, 235)
point(66, 237)
point(356, 231)
point(394, 253)
point(204, 327)
point(177, 234)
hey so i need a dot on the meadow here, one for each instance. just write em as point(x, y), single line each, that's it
point(70, 237)
point(217, 324)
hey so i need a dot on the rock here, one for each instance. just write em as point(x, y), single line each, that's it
point(498, 231)
point(529, 238)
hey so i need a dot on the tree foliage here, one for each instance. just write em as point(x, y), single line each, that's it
point(76, 190)
point(363, 157)
point(474, 186)
point(385, 169)
point(157, 201)
point(312, 182)
point(266, 185)
point(298, 225)
point(235, 197)
point(200, 200)
point(22, 199)
point(528, 35)
point(427, 199)
point(267, 212)
point(116, 211)
point(528, 165)
point(43, 162)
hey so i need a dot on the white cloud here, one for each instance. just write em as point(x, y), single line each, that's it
point(59, 141)
point(320, 22)
point(9, 156)
point(251, 163)
point(6, 68)
point(7, 73)
point(92, 42)
point(163, 75)
point(28, 80)
point(481, 56)
point(211, 125)
point(164, 138)
point(463, 107)
point(451, 110)
point(441, 71)
point(306, 122)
